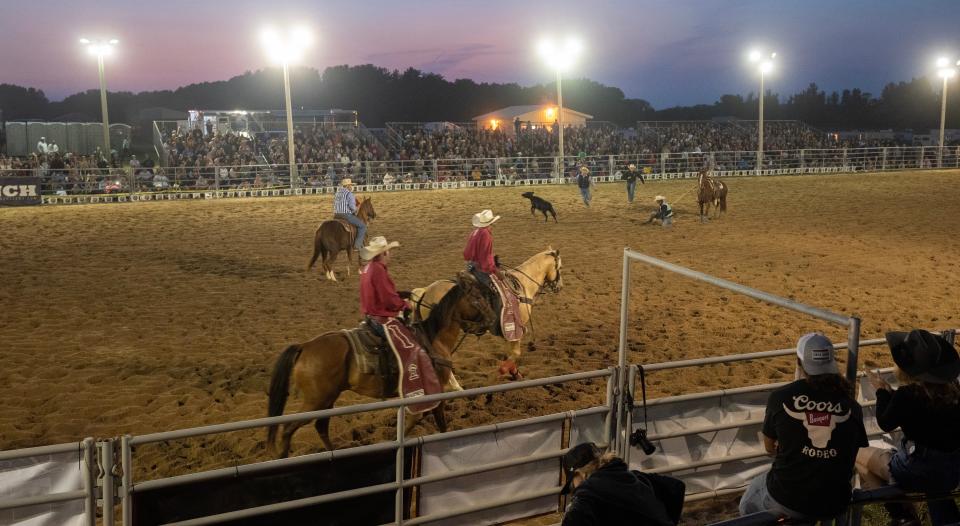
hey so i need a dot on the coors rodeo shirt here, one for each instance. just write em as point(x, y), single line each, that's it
point(817, 438)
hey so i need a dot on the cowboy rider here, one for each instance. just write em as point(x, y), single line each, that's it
point(479, 251)
point(345, 207)
point(379, 298)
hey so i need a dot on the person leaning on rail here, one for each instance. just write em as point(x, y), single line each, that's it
point(606, 492)
point(926, 407)
point(813, 428)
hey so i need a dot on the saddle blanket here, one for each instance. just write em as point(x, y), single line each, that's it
point(510, 324)
point(417, 376)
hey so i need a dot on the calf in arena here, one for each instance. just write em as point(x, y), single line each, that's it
point(538, 203)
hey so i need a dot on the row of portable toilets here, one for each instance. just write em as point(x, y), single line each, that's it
point(81, 138)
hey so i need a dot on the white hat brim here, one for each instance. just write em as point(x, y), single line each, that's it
point(479, 224)
point(370, 252)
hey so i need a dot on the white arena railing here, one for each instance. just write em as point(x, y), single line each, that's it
point(71, 186)
point(492, 473)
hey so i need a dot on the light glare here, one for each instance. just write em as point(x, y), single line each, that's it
point(942, 62)
point(560, 57)
point(287, 49)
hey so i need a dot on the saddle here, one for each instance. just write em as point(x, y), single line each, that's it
point(351, 230)
point(502, 311)
point(372, 355)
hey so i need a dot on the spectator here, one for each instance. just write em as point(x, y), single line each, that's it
point(160, 181)
point(388, 179)
point(663, 213)
point(585, 184)
point(813, 427)
point(926, 408)
point(42, 147)
point(606, 492)
point(631, 176)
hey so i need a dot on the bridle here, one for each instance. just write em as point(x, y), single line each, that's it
point(548, 285)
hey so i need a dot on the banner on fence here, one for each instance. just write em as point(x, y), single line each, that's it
point(461, 492)
point(19, 191)
point(42, 475)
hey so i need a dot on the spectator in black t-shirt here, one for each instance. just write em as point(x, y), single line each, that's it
point(927, 408)
point(631, 176)
point(607, 493)
point(813, 428)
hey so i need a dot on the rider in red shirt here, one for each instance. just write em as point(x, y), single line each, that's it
point(379, 299)
point(479, 252)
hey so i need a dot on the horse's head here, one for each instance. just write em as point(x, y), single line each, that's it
point(365, 211)
point(552, 280)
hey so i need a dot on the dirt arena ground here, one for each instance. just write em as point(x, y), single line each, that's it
point(142, 317)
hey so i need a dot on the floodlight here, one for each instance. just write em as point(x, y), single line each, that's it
point(557, 56)
point(754, 55)
point(942, 62)
point(766, 66)
point(286, 49)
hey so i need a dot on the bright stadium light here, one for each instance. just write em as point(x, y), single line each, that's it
point(946, 72)
point(287, 49)
point(100, 49)
point(560, 57)
point(764, 64)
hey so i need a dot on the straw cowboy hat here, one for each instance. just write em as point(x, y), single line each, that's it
point(484, 219)
point(659, 198)
point(377, 246)
point(584, 169)
point(632, 166)
point(346, 182)
point(924, 356)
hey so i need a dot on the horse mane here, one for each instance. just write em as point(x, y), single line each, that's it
point(441, 312)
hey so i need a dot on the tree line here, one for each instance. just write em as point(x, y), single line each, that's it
point(381, 95)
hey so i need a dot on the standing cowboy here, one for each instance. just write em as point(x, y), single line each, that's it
point(381, 305)
point(631, 177)
point(664, 213)
point(345, 207)
point(585, 183)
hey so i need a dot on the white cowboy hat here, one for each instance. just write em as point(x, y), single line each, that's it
point(632, 166)
point(659, 198)
point(484, 219)
point(377, 246)
point(346, 182)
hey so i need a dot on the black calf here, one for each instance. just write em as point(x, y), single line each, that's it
point(538, 203)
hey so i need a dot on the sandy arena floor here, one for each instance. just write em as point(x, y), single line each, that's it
point(142, 317)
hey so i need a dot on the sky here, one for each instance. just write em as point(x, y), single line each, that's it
point(669, 52)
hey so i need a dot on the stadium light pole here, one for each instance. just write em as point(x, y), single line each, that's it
point(764, 66)
point(946, 73)
point(287, 49)
point(560, 58)
point(102, 48)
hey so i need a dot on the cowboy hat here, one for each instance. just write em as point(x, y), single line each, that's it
point(346, 182)
point(377, 246)
point(632, 166)
point(659, 198)
point(576, 458)
point(924, 356)
point(484, 219)
point(584, 169)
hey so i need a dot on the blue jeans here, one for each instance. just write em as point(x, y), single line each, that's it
point(585, 194)
point(929, 471)
point(757, 499)
point(361, 228)
point(631, 190)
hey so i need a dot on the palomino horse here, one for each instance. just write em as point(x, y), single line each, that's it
point(539, 274)
point(711, 192)
point(332, 237)
point(324, 367)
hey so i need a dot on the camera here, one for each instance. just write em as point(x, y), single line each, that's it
point(639, 439)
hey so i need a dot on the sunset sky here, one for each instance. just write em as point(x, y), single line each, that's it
point(668, 52)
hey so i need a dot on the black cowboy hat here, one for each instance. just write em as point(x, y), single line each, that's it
point(576, 458)
point(924, 356)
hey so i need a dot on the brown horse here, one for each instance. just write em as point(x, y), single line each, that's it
point(539, 274)
point(711, 192)
point(324, 367)
point(332, 237)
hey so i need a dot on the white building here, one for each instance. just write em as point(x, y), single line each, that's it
point(530, 116)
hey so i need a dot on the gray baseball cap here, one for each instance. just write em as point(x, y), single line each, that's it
point(815, 352)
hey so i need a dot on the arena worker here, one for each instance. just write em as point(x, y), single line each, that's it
point(606, 492)
point(813, 428)
point(926, 407)
point(631, 176)
point(345, 207)
point(663, 213)
point(381, 304)
point(585, 183)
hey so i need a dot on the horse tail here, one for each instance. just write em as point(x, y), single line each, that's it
point(317, 245)
point(280, 387)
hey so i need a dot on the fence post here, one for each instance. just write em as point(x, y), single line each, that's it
point(496, 168)
point(398, 502)
point(883, 162)
point(663, 165)
point(107, 486)
point(803, 161)
point(853, 351)
point(622, 351)
point(920, 160)
point(613, 166)
point(126, 480)
point(843, 164)
point(436, 174)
